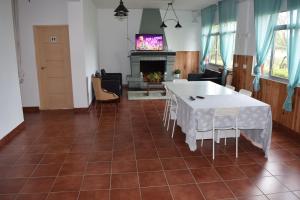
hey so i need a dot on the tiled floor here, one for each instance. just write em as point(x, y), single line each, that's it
point(128, 155)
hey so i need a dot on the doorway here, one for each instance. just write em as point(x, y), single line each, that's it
point(53, 66)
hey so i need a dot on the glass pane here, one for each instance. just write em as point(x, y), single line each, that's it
point(215, 29)
point(265, 68)
point(279, 63)
point(283, 18)
point(213, 50)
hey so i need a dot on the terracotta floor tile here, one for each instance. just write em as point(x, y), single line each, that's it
point(186, 192)
point(129, 180)
point(260, 197)
point(100, 156)
point(11, 185)
point(230, 173)
point(72, 169)
point(205, 174)
point(177, 177)
point(7, 196)
point(292, 182)
point(31, 197)
point(216, 190)
point(28, 159)
point(270, 185)
point(63, 195)
point(67, 183)
point(173, 163)
point(94, 195)
point(96, 182)
point(197, 162)
point(168, 152)
point(283, 196)
point(19, 171)
point(243, 187)
point(123, 155)
point(149, 165)
point(152, 179)
point(47, 170)
point(254, 171)
point(125, 194)
point(157, 193)
point(123, 166)
point(53, 158)
point(98, 168)
point(146, 154)
point(38, 185)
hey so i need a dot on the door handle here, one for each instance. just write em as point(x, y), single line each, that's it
point(42, 68)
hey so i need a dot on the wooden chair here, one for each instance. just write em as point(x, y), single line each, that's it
point(103, 95)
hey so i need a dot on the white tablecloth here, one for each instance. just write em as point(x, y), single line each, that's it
point(255, 118)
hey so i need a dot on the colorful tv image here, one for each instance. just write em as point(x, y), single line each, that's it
point(149, 42)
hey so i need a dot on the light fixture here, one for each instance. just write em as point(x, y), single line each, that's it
point(163, 25)
point(121, 11)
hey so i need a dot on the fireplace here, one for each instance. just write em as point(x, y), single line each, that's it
point(152, 66)
point(150, 61)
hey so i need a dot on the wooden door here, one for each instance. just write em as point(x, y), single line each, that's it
point(53, 66)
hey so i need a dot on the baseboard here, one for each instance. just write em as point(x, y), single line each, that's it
point(31, 109)
point(291, 132)
point(84, 110)
point(6, 139)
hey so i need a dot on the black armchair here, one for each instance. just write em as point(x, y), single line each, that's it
point(112, 82)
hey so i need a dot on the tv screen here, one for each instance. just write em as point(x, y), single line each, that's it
point(149, 42)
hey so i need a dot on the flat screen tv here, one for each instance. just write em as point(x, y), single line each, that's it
point(149, 42)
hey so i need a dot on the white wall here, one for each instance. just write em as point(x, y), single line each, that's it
point(76, 36)
point(37, 12)
point(90, 42)
point(245, 37)
point(115, 44)
point(186, 38)
point(11, 114)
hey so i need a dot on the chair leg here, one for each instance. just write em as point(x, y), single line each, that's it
point(225, 141)
point(236, 143)
point(167, 113)
point(173, 127)
point(202, 141)
point(165, 110)
point(169, 120)
point(213, 141)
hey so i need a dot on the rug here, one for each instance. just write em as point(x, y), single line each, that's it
point(141, 95)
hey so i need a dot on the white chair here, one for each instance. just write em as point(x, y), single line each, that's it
point(173, 108)
point(245, 92)
point(230, 87)
point(180, 81)
point(231, 113)
point(166, 110)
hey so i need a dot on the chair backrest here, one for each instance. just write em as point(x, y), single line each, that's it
point(173, 98)
point(221, 112)
point(96, 81)
point(230, 87)
point(180, 81)
point(245, 92)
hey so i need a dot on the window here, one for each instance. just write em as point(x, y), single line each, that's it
point(276, 65)
point(214, 54)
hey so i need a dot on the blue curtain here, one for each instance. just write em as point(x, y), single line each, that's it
point(266, 14)
point(207, 19)
point(293, 52)
point(227, 24)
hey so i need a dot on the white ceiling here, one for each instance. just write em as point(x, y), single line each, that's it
point(162, 4)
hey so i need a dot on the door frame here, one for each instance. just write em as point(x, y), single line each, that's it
point(42, 105)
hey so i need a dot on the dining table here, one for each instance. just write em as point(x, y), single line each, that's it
point(195, 115)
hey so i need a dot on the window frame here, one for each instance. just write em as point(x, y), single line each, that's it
point(280, 79)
